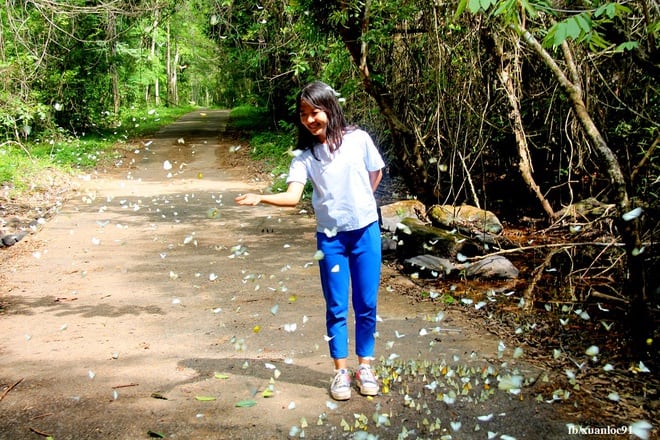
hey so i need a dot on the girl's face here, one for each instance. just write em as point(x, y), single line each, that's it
point(314, 119)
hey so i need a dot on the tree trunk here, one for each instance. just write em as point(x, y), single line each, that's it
point(114, 77)
point(168, 65)
point(2, 43)
point(154, 37)
point(409, 159)
point(508, 71)
point(174, 85)
point(172, 69)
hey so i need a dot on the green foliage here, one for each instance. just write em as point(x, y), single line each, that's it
point(19, 118)
point(71, 152)
point(250, 118)
point(447, 299)
point(584, 27)
point(19, 169)
point(269, 145)
point(273, 148)
point(85, 51)
point(10, 154)
point(627, 46)
point(507, 8)
point(576, 28)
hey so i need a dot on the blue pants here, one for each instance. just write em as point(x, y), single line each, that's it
point(351, 259)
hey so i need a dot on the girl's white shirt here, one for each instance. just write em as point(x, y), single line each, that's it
point(342, 197)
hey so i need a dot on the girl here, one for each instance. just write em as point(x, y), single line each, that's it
point(345, 169)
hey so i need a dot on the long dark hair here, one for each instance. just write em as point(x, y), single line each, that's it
point(320, 95)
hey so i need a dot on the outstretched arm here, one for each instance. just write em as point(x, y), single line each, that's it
point(289, 198)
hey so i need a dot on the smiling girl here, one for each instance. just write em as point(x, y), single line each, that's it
point(345, 168)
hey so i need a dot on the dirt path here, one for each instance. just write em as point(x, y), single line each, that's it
point(152, 304)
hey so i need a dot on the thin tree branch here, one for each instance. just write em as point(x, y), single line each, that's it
point(544, 246)
point(11, 387)
point(646, 158)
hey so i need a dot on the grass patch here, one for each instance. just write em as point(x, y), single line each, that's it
point(273, 149)
point(249, 118)
point(18, 169)
point(271, 146)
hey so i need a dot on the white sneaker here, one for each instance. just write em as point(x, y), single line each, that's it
point(340, 389)
point(366, 381)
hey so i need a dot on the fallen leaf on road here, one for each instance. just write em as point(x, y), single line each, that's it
point(246, 403)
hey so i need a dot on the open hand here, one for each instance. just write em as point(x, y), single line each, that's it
point(248, 199)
